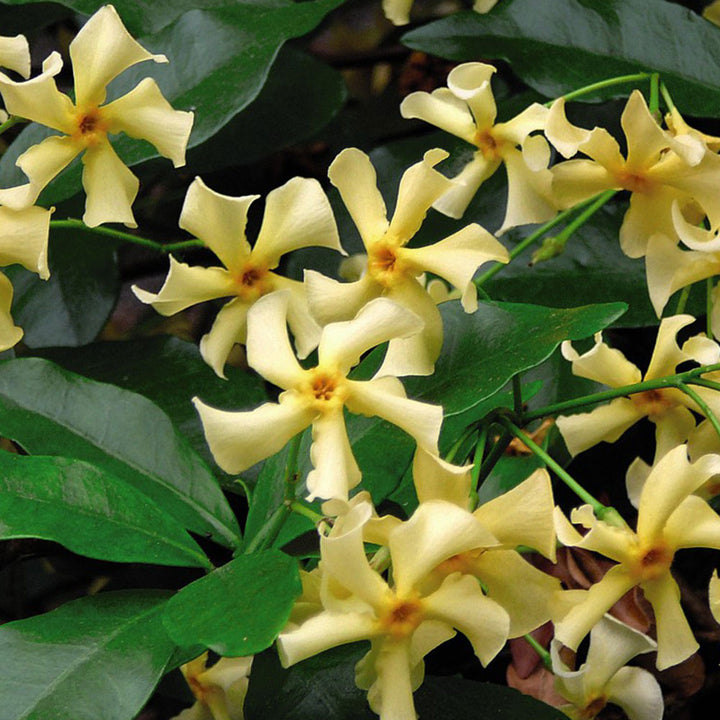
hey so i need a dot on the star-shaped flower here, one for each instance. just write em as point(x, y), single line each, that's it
point(100, 52)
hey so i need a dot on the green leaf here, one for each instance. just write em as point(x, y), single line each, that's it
point(88, 511)
point(240, 608)
point(219, 57)
point(168, 371)
point(53, 412)
point(557, 46)
point(483, 350)
point(98, 657)
point(72, 307)
point(32, 17)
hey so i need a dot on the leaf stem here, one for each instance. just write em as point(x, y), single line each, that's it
point(269, 531)
point(682, 300)
point(704, 407)
point(493, 456)
point(12, 120)
point(654, 104)
point(602, 84)
point(301, 509)
point(540, 650)
point(708, 307)
point(667, 97)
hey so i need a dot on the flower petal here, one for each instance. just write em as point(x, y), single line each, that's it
point(332, 301)
point(306, 332)
point(390, 696)
point(693, 524)
point(645, 138)
point(24, 238)
point(471, 82)
point(666, 354)
point(442, 109)
point(566, 137)
point(534, 117)
point(15, 54)
point(42, 162)
point(100, 52)
point(455, 201)
point(229, 327)
point(436, 479)
point(637, 692)
point(10, 334)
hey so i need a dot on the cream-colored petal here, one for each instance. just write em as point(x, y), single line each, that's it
point(238, 440)
point(454, 202)
point(19, 197)
point(420, 186)
point(522, 590)
point(391, 694)
point(332, 301)
point(565, 136)
point(343, 343)
point(694, 236)
point(606, 422)
point(675, 638)
point(382, 397)
point(145, 114)
point(637, 692)
point(614, 542)
point(15, 54)
point(10, 334)
point(523, 515)
point(436, 531)
point(714, 596)
point(649, 214)
point(693, 524)
point(602, 363)
point(42, 162)
point(574, 181)
point(645, 138)
point(566, 533)
point(436, 479)
point(268, 346)
point(306, 332)
point(484, 6)
point(100, 52)
point(532, 118)
point(460, 603)
point(24, 238)
point(297, 215)
point(666, 354)
point(335, 470)
point(352, 173)
point(471, 82)
point(38, 99)
point(442, 109)
point(187, 285)
point(457, 257)
point(219, 221)
point(228, 328)
point(109, 185)
point(635, 477)
point(577, 623)
point(397, 11)
point(416, 354)
point(322, 632)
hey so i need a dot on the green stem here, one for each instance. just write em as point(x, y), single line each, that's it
point(667, 97)
point(12, 120)
point(269, 531)
point(704, 382)
point(297, 507)
point(682, 300)
point(708, 307)
point(517, 395)
point(595, 398)
point(654, 104)
point(540, 650)
point(493, 456)
point(291, 475)
point(619, 80)
point(469, 432)
point(599, 509)
point(704, 407)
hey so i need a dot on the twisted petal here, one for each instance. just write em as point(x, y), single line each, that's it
point(297, 215)
point(612, 541)
point(24, 238)
point(534, 117)
point(390, 696)
point(219, 221)
point(331, 301)
point(565, 136)
point(187, 285)
point(442, 109)
point(10, 334)
point(637, 692)
point(335, 470)
point(649, 214)
point(352, 173)
point(397, 11)
point(436, 479)
point(342, 343)
point(457, 257)
point(460, 603)
point(645, 138)
point(109, 185)
point(42, 162)
point(714, 596)
point(666, 354)
point(144, 114)
point(420, 186)
point(693, 524)
point(18, 197)
point(229, 327)
point(100, 52)
point(385, 397)
point(471, 82)
point(15, 54)
point(238, 440)
point(454, 202)
point(576, 180)
point(305, 330)
point(675, 639)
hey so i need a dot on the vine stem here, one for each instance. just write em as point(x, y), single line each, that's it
point(12, 120)
point(619, 80)
point(540, 650)
point(707, 411)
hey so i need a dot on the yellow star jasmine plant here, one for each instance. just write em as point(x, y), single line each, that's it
point(317, 397)
point(15, 55)
point(297, 215)
point(466, 108)
point(392, 268)
point(99, 52)
point(670, 518)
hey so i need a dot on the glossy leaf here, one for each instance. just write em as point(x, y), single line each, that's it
point(240, 608)
point(49, 411)
point(89, 511)
point(483, 350)
point(98, 657)
point(557, 46)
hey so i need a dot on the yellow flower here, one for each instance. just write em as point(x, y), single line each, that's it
point(669, 408)
point(297, 215)
point(319, 395)
point(398, 11)
point(392, 268)
point(100, 52)
point(670, 518)
point(466, 109)
point(14, 54)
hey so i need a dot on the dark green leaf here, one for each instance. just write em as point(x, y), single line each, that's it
point(72, 307)
point(33, 17)
point(483, 350)
point(98, 657)
point(557, 46)
point(88, 511)
point(53, 412)
point(238, 609)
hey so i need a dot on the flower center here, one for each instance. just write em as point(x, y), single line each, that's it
point(384, 265)
point(634, 182)
point(402, 617)
point(90, 126)
point(652, 562)
point(489, 145)
point(326, 390)
point(252, 282)
point(463, 562)
point(652, 402)
point(593, 708)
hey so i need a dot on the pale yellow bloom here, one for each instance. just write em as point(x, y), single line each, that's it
point(466, 109)
point(669, 408)
point(403, 620)
point(712, 12)
point(219, 690)
point(14, 54)
point(297, 215)
point(660, 169)
point(393, 269)
point(603, 678)
point(100, 52)
point(670, 518)
point(714, 596)
point(318, 396)
point(398, 11)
